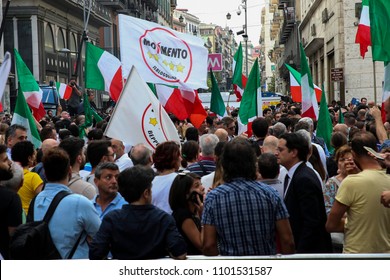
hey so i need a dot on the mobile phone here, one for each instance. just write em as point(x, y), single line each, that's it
point(377, 155)
point(194, 197)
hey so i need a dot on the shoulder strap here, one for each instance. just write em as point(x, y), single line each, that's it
point(30, 214)
point(53, 205)
point(75, 246)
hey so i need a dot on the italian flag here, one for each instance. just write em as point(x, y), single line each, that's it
point(250, 99)
point(103, 71)
point(64, 90)
point(29, 87)
point(183, 103)
point(295, 86)
point(309, 100)
point(22, 116)
point(363, 35)
point(217, 105)
point(239, 80)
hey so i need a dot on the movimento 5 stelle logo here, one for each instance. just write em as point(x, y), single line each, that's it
point(167, 56)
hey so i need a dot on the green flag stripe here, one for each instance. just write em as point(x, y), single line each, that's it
point(93, 76)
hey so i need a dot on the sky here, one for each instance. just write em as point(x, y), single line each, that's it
point(214, 11)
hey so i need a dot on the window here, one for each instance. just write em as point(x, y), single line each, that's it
point(49, 39)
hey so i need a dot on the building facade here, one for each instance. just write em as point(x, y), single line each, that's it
point(327, 30)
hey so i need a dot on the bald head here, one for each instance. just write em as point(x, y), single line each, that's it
point(342, 128)
point(222, 134)
point(48, 144)
point(118, 147)
point(270, 144)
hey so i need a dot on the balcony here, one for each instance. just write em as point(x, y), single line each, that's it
point(153, 4)
point(114, 4)
point(100, 15)
point(288, 24)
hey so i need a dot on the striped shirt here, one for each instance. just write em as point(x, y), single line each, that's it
point(202, 167)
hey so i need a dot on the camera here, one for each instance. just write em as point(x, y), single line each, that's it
point(194, 197)
point(72, 83)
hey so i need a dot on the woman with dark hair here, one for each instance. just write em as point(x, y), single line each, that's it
point(189, 153)
point(167, 161)
point(25, 154)
point(337, 140)
point(186, 201)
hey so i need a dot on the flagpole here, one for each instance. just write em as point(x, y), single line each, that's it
point(373, 63)
point(3, 21)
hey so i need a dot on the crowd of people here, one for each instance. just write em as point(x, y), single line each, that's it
point(281, 190)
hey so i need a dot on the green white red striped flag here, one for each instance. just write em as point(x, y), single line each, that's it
point(309, 100)
point(103, 71)
point(250, 99)
point(64, 91)
point(30, 88)
point(22, 116)
point(363, 34)
point(295, 86)
point(183, 103)
point(239, 80)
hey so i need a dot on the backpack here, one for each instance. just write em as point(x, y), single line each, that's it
point(32, 240)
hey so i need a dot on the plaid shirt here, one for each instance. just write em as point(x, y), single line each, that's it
point(244, 213)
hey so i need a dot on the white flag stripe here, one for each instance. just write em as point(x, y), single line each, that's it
point(21, 120)
point(108, 67)
point(365, 16)
point(164, 93)
point(306, 103)
point(34, 98)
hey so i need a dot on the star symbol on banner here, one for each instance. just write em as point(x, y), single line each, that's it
point(172, 66)
point(165, 63)
point(153, 121)
point(180, 68)
point(150, 54)
point(156, 58)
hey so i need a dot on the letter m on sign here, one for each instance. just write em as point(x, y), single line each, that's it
point(215, 62)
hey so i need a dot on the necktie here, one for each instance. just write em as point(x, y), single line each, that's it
point(285, 183)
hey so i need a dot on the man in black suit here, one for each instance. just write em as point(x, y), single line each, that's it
point(303, 196)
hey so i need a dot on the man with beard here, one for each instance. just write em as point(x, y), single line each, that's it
point(75, 148)
point(10, 205)
point(106, 180)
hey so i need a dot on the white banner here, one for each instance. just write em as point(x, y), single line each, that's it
point(4, 72)
point(202, 268)
point(139, 117)
point(162, 55)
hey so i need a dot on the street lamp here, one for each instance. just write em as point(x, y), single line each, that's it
point(63, 50)
point(243, 32)
point(181, 19)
